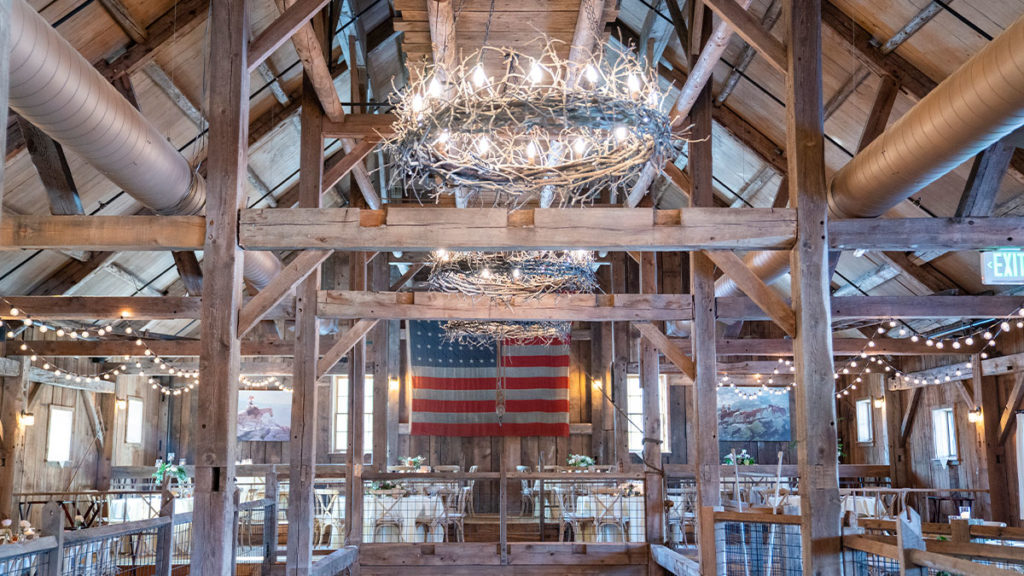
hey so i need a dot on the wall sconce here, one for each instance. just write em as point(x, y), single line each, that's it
point(880, 402)
point(974, 416)
point(121, 404)
point(27, 418)
point(393, 384)
point(597, 384)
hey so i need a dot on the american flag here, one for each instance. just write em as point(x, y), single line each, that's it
point(454, 386)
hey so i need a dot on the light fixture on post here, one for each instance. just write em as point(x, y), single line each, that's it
point(121, 404)
point(974, 416)
point(880, 402)
point(27, 418)
point(531, 132)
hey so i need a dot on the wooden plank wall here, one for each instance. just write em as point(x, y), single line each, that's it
point(925, 471)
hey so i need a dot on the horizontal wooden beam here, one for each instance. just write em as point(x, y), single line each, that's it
point(369, 127)
point(674, 354)
point(428, 228)
point(908, 234)
point(128, 347)
point(889, 307)
point(438, 306)
point(840, 347)
point(119, 308)
point(104, 233)
point(418, 229)
point(1009, 364)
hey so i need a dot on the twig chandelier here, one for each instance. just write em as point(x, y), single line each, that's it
point(542, 129)
point(504, 276)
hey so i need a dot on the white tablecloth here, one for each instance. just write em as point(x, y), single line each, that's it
point(408, 510)
point(630, 506)
point(860, 505)
point(142, 507)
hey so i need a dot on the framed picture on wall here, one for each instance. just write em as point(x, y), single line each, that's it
point(744, 416)
point(264, 415)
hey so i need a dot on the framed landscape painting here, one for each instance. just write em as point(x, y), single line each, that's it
point(264, 415)
point(763, 418)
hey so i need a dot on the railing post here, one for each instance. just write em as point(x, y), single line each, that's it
point(53, 524)
point(908, 537)
point(270, 524)
point(165, 533)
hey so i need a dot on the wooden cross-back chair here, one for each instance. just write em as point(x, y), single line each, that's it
point(569, 517)
point(609, 514)
point(386, 511)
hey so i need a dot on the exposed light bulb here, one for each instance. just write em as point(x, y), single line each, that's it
point(579, 146)
point(939, 345)
point(536, 73)
point(914, 338)
point(14, 311)
point(60, 332)
point(929, 342)
point(956, 344)
point(969, 341)
point(620, 133)
point(43, 328)
point(418, 104)
point(903, 331)
point(434, 89)
point(590, 73)
point(892, 323)
point(479, 76)
point(633, 84)
point(1005, 326)
point(483, 144)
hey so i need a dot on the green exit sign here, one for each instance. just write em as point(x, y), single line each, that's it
point(1002, 267)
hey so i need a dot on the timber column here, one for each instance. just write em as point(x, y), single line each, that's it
point(820, 528)
point(216, 418)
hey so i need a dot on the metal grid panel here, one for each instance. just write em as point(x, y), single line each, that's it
point(759, 548)
point(181, 548)
point(111, 555)
point(26, 564)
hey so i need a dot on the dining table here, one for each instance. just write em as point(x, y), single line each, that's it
point(409, 509)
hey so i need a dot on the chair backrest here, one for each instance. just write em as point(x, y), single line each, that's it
point(607, 504)
point(602, 468)
point(524, 481)
point(385, 502)
point(566, 497)
point(473, 468)
point(402, 469)
point(446, 468)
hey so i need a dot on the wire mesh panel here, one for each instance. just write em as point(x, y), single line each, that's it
point(758, 548)
point(130, 554)
point(419, 509)
point(29, 564)
point(591, 509)
point(251, 527)
point(865, 564)
point(181, 546)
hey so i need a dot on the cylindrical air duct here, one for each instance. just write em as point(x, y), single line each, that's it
point(55, 88)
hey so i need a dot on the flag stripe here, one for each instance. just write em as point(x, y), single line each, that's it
point(455, 387)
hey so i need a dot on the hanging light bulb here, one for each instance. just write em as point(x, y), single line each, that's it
point(531, 151)
point(14, 311)
point(483, 144)
point(914, 338)
point(128, 330)
point(579, 146)
point(536, 73)
point(987, 335)
point(60, 332)
point(633, 84)
point(43, 328)
point(590, 73)
point(1005, 326)
point(418, 104)
point(969, 341)
point(929, 342)
point(881, 330)
point(479, 76)
point(620, 133)
point(434, 89)
point(903, 331)
point(892, 323)
point(956, 344)
point(939, 345)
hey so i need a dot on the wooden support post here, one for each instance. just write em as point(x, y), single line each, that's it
point(12, 456)
point(908, 537)
point(302, 459)
point(379, 337)
point(165, 534)
point(991, 469)
point(705, 395)
point(620, 356)
point(650, 382)
point(53, 525)
point(356, 407)
point(597, 388)
point(213, 534)
point(510, 452)
point(105, 459)
point(394, 389)
point(270, 492)
point(820, 527)
point(899, 463)
point(5, 79)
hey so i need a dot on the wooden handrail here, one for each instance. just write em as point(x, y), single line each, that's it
point(336, 562)
point(674, 562)
point(938, 561)
point(940, 529)
point(871, 546)
point(790, 470)
point(760, 517)
point(114, 530)
point(23, 548)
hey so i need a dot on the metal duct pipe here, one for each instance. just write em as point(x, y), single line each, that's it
point(55, 88)
point(977, 105)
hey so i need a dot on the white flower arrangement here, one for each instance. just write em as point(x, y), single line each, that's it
point(743, 458)
point(580, 460)
point(416, 461)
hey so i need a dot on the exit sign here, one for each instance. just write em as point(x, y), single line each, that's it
point(1002, 267)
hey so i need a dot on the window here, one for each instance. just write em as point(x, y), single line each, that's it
point(944, 430)
point(341, 413)
point(133, 421)
point(635, 412)
point(864, 424)
point(59, 430)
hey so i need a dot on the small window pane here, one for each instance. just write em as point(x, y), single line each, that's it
point(133, 421)
point(635, 413)
point(944, 432)
point(864, 427)
point(58, 434)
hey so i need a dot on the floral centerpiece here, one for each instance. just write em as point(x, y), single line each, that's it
point(416, 461)
point(386, 485)
point(27, 531)
point(175, 472)
point(742, 458)
point(5, 531)
point(580, 460)
point(629, 489)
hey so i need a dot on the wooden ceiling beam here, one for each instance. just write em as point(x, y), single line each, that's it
point(840, 347)
point(281, 30)
point(771, 16)
point(751, 285)
point(52, 166)
point(925, 233)
point(118, 308)
point(279, 287)
point(342, 345)
point(125, 20)
point(883, 308)
point(105, 233)
point(979, 196)
point(180, 20)
point(1009, 364)
point(748, 28)
point(496, 228)
point(659, 340)
point(73, 274)
point(189, 271)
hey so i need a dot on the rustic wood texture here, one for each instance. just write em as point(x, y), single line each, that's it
point(215, 441)
point(751, 30)
point(766, 298)
point(305, 265)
